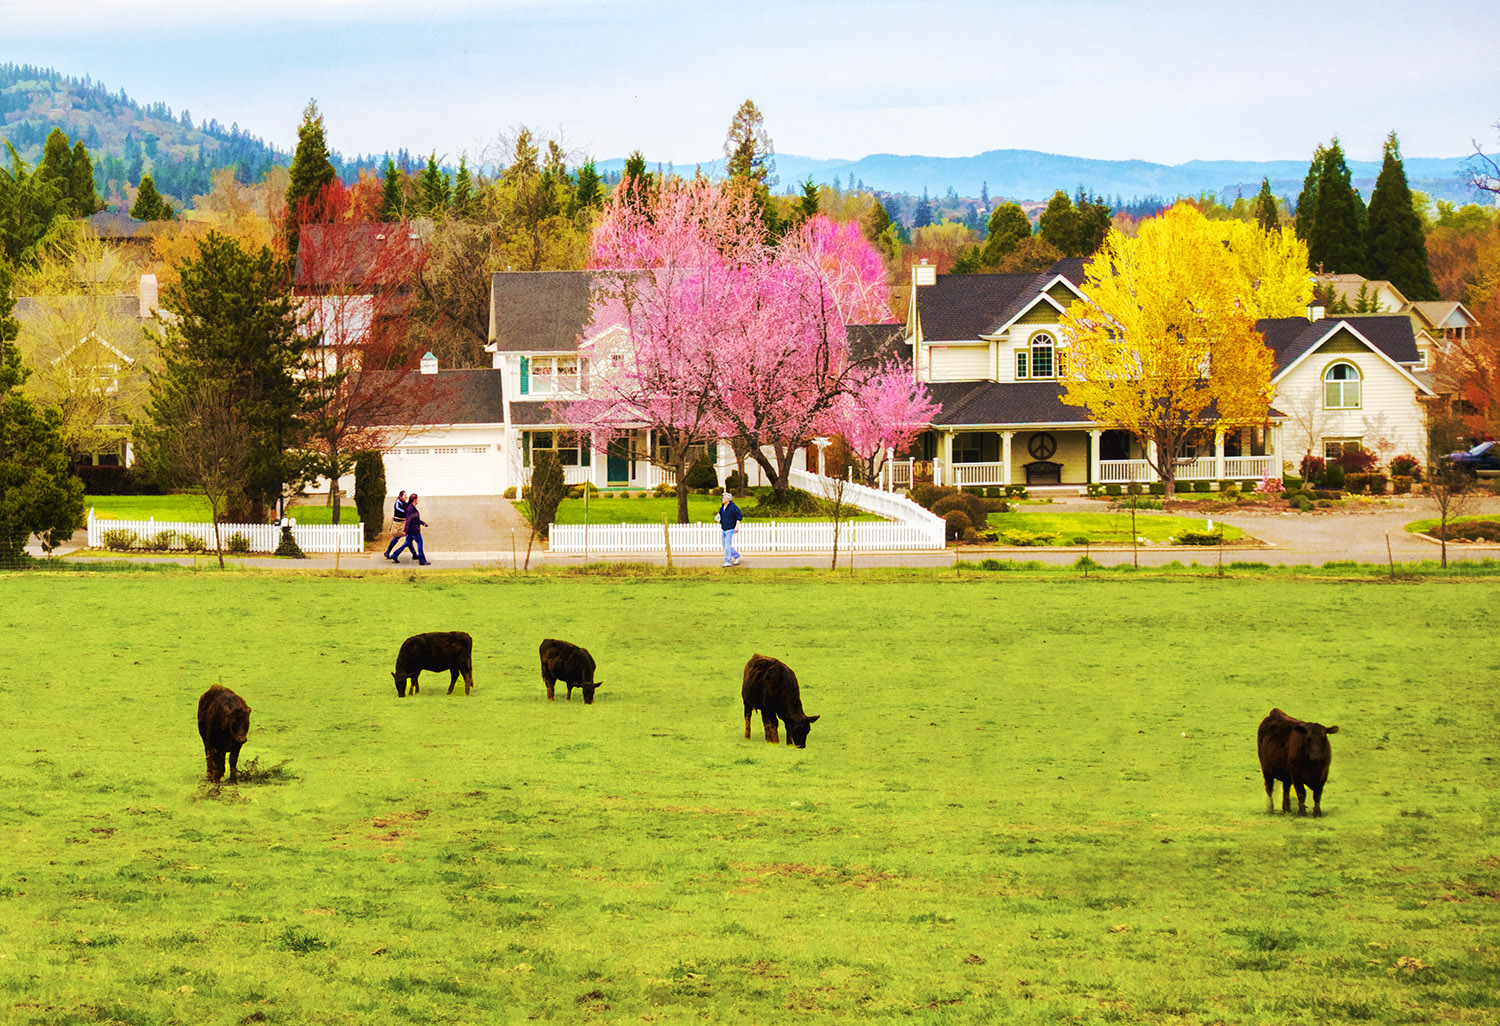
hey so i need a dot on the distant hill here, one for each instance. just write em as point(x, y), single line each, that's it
point(127, 138)
point(1031, 175)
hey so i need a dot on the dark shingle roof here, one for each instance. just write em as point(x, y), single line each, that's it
point(530, 414)
point(539, 311)
point(346, 255)
point(878, 343)
point(447, 397)
point(965, 306)
point(1290, 337)
point(1004, 402)
point(107, 224)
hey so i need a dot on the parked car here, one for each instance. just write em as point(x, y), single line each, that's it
point(1484, 458)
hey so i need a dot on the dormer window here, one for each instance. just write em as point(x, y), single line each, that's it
point(1039, 359)
point(1341, 387)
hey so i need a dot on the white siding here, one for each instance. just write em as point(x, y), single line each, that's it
point(1389, 413)
point(960, 363)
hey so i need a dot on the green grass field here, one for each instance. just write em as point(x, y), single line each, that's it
point(653, 510)
point(1112, 528)
point(1026, 801)
point(194, 509)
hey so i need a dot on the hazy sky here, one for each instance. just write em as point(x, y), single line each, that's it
point(1164, 81)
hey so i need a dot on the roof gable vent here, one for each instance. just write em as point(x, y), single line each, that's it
point(429, 363)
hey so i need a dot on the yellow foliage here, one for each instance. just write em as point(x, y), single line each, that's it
point(1274, 281)
point(1165, 334)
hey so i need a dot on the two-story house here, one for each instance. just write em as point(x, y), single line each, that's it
point(992, 350)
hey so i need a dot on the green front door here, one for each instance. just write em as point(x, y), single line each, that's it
point(619, 462)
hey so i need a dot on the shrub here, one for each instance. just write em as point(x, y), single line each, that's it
point(120, 539)
point(369, 492)
point(1327, 494)
point(1201, 538)
point(925, 495)
point(1291, 482)
point(1357, 483)
point(1356, 461)
point(1401, 484)
point(957, 522)
point(1016, 491)
point(974, 490)
point(237, 543)
point(288, 547)
point(1137, 502)
point(1272, 486)
point(1312, 466)
point(972, 537)
point(193, 543)
point(735, 482)
point(113, 480)
point(702, 473)
point(1301, 502)
point(663, 490)
point(510, 493)
point(1027, 538)
point(1376, 482)
point(1157, 488)
point(1324, 504)
point(163, 540)
point(1095, 489)
point(1333, 476)
point(1079, 539)
point(797, 503)
point(1112, 490)
point(1406, 465)
point(1202, 486)
point(1470, 530)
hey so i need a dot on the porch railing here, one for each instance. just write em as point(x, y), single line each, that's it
point(978, 473)
point(1249, 468)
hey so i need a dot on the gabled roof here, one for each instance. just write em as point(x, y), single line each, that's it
point(449, 397)
point(540, 311)
point(878, 343)
point(1346, 287)
point(967, 307)
point(347, 256)
point(1291, 338)
point(1437, 312)
point(108, 225)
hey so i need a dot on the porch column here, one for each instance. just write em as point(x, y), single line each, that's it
point(1151, 474)
point(1096, 435)
point(1273, 449)
point(598, 463)
point(1219, 454)
point(948, 457)
point(1005, 437)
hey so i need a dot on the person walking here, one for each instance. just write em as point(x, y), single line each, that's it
point(398, 517)
point(729, 517)
point(414, 525)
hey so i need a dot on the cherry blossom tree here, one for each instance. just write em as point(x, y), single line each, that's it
point(675, 273)
point(886, 409)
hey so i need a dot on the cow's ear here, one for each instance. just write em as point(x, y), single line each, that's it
point(1300, 728)
point(813, 719)
point(1333, 729)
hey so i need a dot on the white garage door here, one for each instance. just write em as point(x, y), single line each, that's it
point(441, 469)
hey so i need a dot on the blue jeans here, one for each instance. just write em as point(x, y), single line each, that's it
point(396, 539)
point(414, 543)
point(730, 555)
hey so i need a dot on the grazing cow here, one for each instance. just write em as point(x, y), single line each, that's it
point(223, 723)
point(566, 662)
point(437, 651)
point(771, 686)
point(1297, 753)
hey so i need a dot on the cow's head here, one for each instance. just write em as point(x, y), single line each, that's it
point(239, 724)
point(1314, 737)
point(400, 684)
point(796, 731)
point(589, 687)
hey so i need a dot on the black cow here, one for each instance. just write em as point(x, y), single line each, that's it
point(223, 724)
point(771, 686)
point(566, 662)
point(1297, 753)
point(436, 650)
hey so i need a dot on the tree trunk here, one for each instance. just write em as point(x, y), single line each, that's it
point(680, 464)
point(335, 499)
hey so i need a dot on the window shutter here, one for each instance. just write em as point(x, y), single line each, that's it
point(585, 449)
point(525, 378)
point(525, 441)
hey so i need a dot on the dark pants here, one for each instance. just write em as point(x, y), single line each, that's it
point(396, 538)
point(413, 542)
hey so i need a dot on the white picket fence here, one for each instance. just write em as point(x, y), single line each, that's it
point(911, 529)
point(262, 537)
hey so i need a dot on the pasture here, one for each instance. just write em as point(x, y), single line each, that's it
point(1026, 801)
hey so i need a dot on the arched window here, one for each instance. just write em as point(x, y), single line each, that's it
point(1041, 356)
point(1341, 387)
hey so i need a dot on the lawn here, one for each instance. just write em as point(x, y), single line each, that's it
point(1055, 817)
point(194, 509)
point(653, 510)
point(1426, 526)
point(1112, 528)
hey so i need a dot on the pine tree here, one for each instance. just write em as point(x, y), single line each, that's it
point(1008, 225)
point(809, 208)
point(463, 189)
point(435, 188)
point(1307, 199)
point(1393, 233)
point(1336, 243)
point(589, 192)
point(923, 216)
point(311, 170)
point(876, 221)
point(391, 198)
point(1265, 208)
point(750, 157)
point(634, 177)
point(56, 167)
point(1058, 223)
point(149, 205)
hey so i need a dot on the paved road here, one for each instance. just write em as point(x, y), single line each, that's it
point(484, 532)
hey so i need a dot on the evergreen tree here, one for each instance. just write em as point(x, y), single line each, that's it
point(1396, 243)
point(311, 170)
point(750, 157)
point(1058, 223)
point(876, 221)
point(923, 216)
point(809, 206)
point(56, 167)
point(1265, 208)
point(589, 192)
point(1335, 243)
point(463, 189)
point(149, 205)
point(1307, 199)
point(391, 198)
point(1008, 225)
point(435, 188)
point(234, 322)
point(634, 177)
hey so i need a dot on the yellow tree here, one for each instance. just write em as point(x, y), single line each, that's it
point(1164, 341)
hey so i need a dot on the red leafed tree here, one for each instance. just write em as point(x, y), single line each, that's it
point(789, 367)
point(675, 267)
point(885, 409)
point(356, 280)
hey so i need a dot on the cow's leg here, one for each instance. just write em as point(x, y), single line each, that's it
point(209, 757)
point(551, 683)
point(452, 681)
point(570, 691)
point(1301, 799)
point(468, 679)
point(1286, 795)
point(412, 688)
point(768, 720)
point(234, 765)
point(1270, 791)
point(1317, 790)
point(747, 721)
